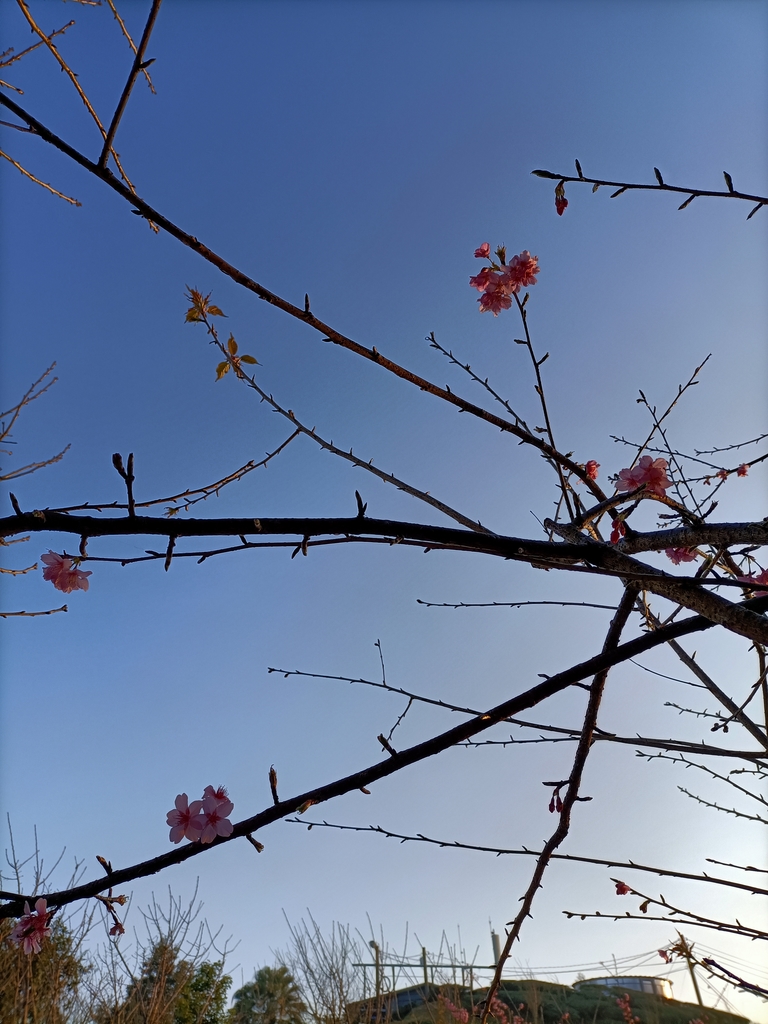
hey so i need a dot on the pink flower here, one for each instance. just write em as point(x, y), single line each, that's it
point(220, 795)
point(722, 474)
point(648, 471)
point(592, 468)
point(522, 271)
point(216, 817)
point(560, 204)
point(760, 578)
point(487, 278)
point(185, 820)
point(58, 569)
point(484, 251)
point(31, 929)
point(742, 470)
point(665, 956)
point(622, 888)
point(494, 300)
point(498, 285)
point(678, 555)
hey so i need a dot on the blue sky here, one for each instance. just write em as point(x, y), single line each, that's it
point(359, 153)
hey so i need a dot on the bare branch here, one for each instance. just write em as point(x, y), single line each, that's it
point(37, 181)
point(138, 66)
point(300, 313)
point(497, 851)
point(625, 186)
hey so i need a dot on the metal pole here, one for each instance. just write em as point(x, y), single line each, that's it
point(686, 951)
point(424, 964)
point(377, 964)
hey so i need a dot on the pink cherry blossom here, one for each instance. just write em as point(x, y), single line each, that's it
point(522, 271)
point(622, 888)
point(59, 571)
point(742, 470)
point(497, 285)
point(484, 251)
point(31, 929)
point(648, 471)
point(494, 300)
point(760, 578)
point(591, 469)
point(678, 555)
point(185, 820)
point(220, 795)
point(485, 279)
point(215, 818)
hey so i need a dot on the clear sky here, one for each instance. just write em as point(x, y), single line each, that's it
point(359, 152)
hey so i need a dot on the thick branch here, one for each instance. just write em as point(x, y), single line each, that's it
point(718, 535)
point(328, 333)
point(382, 769)
point(738, 618)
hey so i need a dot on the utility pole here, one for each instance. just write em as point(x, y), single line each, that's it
point(686, 949)
point(377, 965)
point(424, 966)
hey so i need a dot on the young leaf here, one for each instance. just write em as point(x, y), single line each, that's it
point(221, 369)
point(232, 345)
point(249, 359)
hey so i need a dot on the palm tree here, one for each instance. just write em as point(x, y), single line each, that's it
point(271, 998)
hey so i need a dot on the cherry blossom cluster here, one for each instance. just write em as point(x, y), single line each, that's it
point(678, 555)
point(457, 1012)
point(500, 281)
point(202, 820)
point(625, 1006)
point(32, 929)
point(61, 572)
point(647, 471)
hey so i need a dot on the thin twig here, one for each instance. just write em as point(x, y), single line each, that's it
point(127, 34)
point(497, 851)
point(136, 69)
point(38, 181)
point(31, 615)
